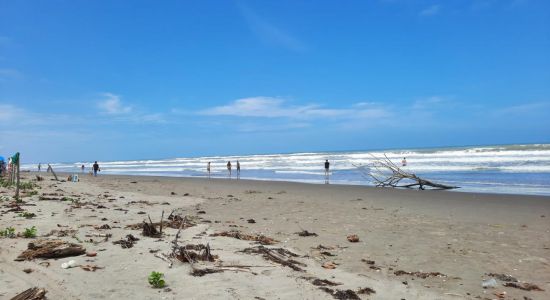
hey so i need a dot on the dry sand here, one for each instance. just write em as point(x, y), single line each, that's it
point(464, 236)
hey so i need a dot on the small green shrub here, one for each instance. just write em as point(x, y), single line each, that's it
point(8, 232)
point(30, 232)
point(155, 279)
point(32, 193)
point(26, 185)
point(27, 215)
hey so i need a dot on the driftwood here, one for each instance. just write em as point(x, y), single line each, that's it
point(278, 255)
point(384, 173)
point(31, 294)
point(262, 239)
point(50, 249)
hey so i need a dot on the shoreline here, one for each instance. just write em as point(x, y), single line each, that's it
point(201, 178)
point(462, 236)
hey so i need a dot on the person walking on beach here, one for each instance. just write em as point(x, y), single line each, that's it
point(208, 169)
point(96, 168)
point(327, 167)
point(238, 170)
point(404, 162)
point(39, 166)
point(82, 168)
point(229, 168)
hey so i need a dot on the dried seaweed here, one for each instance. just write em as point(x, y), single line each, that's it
point(202, 272)
point(306, 233)
point(341, 294)
point(422, 275)
point(366, 291)
point(524, 286)
point(128, 242)
point(503, 277)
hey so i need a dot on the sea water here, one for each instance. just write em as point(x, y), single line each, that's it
point(514, 169)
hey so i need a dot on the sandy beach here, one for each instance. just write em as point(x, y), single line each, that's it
point(412, 244)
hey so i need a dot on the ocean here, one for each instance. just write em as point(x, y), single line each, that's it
point(511, 169)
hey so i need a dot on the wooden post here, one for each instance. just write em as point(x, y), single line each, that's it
point(54, 175)
point(16, 159)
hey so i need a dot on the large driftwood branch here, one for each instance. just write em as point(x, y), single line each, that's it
point(384, 173)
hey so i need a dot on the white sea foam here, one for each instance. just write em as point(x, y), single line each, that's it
point(497, 165)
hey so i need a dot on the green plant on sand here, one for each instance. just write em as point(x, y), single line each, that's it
point(8, 232)
point(30, 232)
point(155, 279)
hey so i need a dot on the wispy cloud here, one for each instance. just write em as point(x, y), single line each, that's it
point(430, 11)
point(112, 105)
point(10, 74)
point(269, 107)
point(10, 113)
point(269, 33)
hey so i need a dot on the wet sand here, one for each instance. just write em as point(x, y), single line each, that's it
point(463, 236)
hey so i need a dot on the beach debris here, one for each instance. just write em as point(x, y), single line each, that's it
point(368, 262)
point(385, 173)
point(44, 248)
point(341, 294)
point(320, 282)
point(422, 275)
point(128, 242)
point(201, 272)
point(172, 193)
point(503, 277)
point(91, 254)
point(28, 270)
point(329, 265)
point(306, 233)
point(91, 268)
point(278, 255)
point(193, 253)
point(39, 178)
point(524, 286)
point(34, 293)
point(353, 238)
point(251, 221)
point(262, 239)
point(366, 291)
point(69, 264)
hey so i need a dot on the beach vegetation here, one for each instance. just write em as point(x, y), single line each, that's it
point(27, 185)
point(30, 232)
point(27, 215)
point(8, 232)
point(156, 280)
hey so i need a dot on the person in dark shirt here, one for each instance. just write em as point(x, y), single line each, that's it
point(229, 168)
point(96, 168)
point(327, 167)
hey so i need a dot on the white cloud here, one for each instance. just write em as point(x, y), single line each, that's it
point(430, 11)
point(269, 107)
point(112, 105)
point(9, 74)
point(10, 113)
point(269, 33)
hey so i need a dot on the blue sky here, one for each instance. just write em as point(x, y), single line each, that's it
point(109, 80)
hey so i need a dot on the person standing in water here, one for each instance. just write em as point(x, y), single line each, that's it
point(39, 166)
point(238, 170)
point(82, 168)
point(96, 168)
point(208, 169)
point(229, 168)
point(404, 162)
point(327, 167)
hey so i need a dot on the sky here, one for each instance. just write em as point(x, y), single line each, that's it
point(122, 80)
